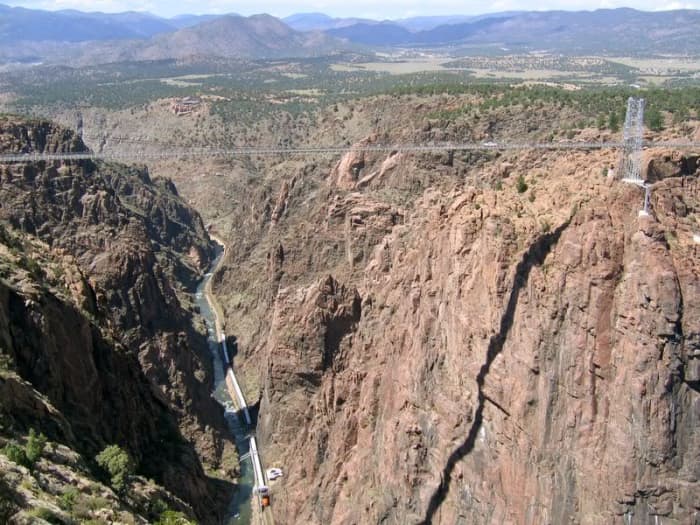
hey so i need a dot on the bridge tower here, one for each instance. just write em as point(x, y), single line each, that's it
point(632, 136)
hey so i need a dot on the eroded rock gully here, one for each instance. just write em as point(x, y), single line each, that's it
point(502, 358)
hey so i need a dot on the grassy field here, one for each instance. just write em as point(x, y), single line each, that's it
point(540, 67)
point(665, 66)
point(403, 67)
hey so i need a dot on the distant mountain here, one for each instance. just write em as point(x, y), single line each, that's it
point(387, 34)
point(31, 36)
point(603, 31)
point(258, 36)
point(321, 22)
point(183, 21)
point(230, 36)
point(35, 25)
point(376, 34)
point(426, 23)
point(17, 23)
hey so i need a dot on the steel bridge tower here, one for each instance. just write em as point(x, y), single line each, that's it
point(632, 136)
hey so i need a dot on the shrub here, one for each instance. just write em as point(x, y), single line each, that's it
point(118, 464)
point(654, 119)
point(47, 515)
point(31, 452)
point(16, 454)
point(171, 517)
point(35, 446)
point(68, 499)
point(520, 184)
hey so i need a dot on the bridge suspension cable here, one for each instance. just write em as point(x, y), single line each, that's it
point(165, 153)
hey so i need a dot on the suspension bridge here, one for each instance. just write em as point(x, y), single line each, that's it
point(165, 152)
point(147, 150)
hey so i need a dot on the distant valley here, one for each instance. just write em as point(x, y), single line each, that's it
point(77, 38)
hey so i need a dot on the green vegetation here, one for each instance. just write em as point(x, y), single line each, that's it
point(28, 455)
point(654, 119)
point(68, 499)
point(47, 515)
point(117, 463)
point(600, 122)
point(520, 184)
point(35, 446)
point(16, 454)
point(603, 105)
point(5, 362)
point(242, 93)
point(171, 517)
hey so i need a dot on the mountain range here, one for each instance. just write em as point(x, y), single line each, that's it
point(601, 31)
point(18, 23)
point(28, 35)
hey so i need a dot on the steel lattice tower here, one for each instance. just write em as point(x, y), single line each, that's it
point(632, 135)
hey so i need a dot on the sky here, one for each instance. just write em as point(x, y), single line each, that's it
point(376, 9)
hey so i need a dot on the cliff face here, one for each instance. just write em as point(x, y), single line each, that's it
point(99, 323)
point(480, 354)
point(500, 371)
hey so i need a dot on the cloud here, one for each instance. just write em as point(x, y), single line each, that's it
point(672, 6)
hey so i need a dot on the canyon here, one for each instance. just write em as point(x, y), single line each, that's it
point(100, 343)
point(434, 337)
point(430, 344)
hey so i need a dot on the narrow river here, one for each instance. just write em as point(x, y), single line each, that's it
point(239, 511)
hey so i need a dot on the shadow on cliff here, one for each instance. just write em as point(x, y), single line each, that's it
point(534, 256)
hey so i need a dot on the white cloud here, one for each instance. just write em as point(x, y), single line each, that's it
point(672, 6)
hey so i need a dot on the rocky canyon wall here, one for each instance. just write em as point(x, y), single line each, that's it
point(95, 315)
point(434, 343)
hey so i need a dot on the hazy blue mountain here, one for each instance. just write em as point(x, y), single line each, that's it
point(387, 34)
point(602, 31)
point(30, 35)
point(321, 22)
point(236, 36)
point(17, 23)
point(376, 34)
point(426, 23)
point(183, 21)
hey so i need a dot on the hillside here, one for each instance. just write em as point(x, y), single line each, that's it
point(231, 36)
point(20, 24)
point(235, 36)
point(601, 31)
point(319, 21)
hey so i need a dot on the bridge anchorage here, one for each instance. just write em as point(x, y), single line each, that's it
point(633, 136)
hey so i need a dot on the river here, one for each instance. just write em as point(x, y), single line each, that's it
point(239, 510)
